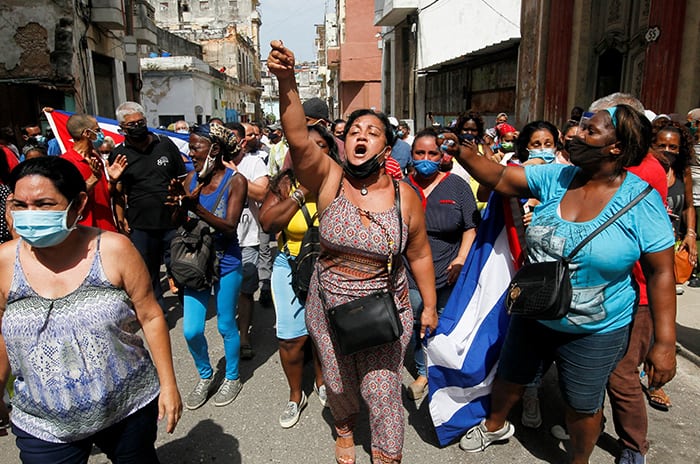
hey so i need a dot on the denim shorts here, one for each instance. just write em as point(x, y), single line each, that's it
point(250, 255)
point(289, 311)
point(584, 361)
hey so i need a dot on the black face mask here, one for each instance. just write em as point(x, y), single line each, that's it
point(581, 153)
point(670, 159)
point(137, 134)
point(365, 169)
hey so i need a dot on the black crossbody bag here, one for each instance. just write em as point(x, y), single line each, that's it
point(543, 290)
point(372, 320)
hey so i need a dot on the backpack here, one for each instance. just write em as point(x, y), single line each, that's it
point(194, 261)
point(305, 263)
point(192, 256)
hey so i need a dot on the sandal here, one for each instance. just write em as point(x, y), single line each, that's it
point(344, 455)
point(418, 388)
point(658, 399)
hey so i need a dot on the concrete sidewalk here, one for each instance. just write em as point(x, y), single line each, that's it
point(688, 324)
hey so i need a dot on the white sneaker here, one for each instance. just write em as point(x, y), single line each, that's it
point(478, 438)
point(322, 395)
point(290, 415)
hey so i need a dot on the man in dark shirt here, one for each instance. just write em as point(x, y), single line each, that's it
point(152, 162)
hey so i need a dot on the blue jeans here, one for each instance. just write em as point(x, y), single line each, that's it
point(195, 315)
point(154, 246)
point(130, 441)
point(584, 361)
point(443, 294)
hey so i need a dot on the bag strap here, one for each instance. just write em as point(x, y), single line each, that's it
point(614, 218)
point(221, 193)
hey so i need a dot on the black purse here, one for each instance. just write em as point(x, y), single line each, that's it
point(543, 290)
point(371, 320)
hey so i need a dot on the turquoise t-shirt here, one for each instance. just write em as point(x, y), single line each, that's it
point(603, 293)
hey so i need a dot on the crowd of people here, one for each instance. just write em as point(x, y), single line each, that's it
point(396, 213)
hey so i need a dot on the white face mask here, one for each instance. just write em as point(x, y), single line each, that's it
point(208, 166)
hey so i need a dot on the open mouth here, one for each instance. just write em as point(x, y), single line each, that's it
point(360, 149)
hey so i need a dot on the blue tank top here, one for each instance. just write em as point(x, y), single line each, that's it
point(79, 364)
point(227, 248)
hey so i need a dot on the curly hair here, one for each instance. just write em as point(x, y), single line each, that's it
point(471, 116)
point(686, 152)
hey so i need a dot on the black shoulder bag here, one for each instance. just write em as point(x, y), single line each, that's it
point(543, 290)
point(193, 259)
point(371, 320)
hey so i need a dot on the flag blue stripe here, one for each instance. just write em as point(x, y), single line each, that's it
point(482, 354)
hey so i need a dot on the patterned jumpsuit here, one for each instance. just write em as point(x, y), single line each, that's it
point(353, 264)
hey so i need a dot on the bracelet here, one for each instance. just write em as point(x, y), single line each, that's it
point(299, 197)
point(691, 233)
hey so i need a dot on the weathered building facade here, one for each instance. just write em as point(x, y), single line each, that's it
point(78, 55)
point(228, 32)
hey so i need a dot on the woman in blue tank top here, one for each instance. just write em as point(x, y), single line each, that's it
point(72, 299)
point(197, 198)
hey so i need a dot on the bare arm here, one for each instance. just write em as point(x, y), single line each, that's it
point(125, 268)
point(661, 289)
point(455, 267)
point(507, 180)
point(420, 257)
point(690, 239)
point(278, 210)
point(311, 165)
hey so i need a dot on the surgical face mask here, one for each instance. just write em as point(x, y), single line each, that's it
point(97, 143)
point(546, 154)
point(425, 167)
point(399, 134)
point(581, 153)
point(209, 164)
point(365, 169)
point(507, 147)
point(40, 139)
point(182, 131)
point(41, 228)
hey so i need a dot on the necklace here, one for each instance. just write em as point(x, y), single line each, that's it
point(363, 190)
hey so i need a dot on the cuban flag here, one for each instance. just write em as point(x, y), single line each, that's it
point(110, 127)
point(462, 356)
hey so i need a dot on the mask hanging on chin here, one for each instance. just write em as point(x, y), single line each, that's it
point(209, 165)
point(366, 169)
point(42, 229)
point(581, 153)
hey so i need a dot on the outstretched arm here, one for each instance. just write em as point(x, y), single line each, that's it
point(507, 180)
point(311, 165)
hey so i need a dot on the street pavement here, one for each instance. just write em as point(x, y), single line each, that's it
point(247, 431)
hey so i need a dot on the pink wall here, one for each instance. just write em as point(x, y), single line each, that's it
point(357, 95)
point(360, 59)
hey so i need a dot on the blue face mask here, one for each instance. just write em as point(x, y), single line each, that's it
point(546, 154)
point(426, 168)
point(42, 229)
point(97, 143)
